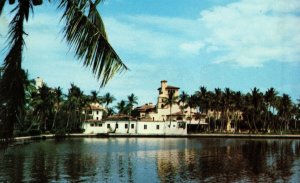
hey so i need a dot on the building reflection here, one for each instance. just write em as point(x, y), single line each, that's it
point(155, 160)
point(253, 161)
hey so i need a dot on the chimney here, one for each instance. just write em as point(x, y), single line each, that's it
point(163, 85)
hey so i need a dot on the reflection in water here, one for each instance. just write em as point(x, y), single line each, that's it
point(152, 160)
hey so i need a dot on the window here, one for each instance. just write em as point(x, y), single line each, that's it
point(117, 125)
point(92, 124)
point(97, 118)
point(108, 125)
point(157, 127)
point(97, 112)
point(132, 126)
point(126, 126)
point(145, 127)
point(100, 124)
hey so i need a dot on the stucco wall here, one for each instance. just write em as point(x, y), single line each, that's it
point(138, 128)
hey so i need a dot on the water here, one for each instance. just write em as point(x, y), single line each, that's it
point(152, 160)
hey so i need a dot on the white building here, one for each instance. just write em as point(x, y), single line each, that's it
point(161, 112)
point(38, 82)
point(135, 128)
point(152, 119)
point(93, 117)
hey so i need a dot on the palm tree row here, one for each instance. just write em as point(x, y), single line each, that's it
point(125, 107)
point(254, 111)
point(84, 33)
point(50, 110)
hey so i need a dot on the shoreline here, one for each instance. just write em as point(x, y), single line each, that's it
point(217, 135)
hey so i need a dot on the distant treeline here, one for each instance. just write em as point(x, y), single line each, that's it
point(254, 111)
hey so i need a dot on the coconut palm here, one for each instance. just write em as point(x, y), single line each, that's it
point(284, 111)
point(132, 99)
point(183, 98)
point(270, 99)
point(57, 99)
point(238, 100)
point(121, 106)
point(169, 101)
point(226, 105)
point(108, 99)
point(84, 32)
point(94, 98)
point(217, 104)
point(75, 102)
point(256, 98)
point(202, 99)
point(43, 106)
point(192, 103)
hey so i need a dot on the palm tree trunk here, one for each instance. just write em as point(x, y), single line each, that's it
point(129, 121)
point(170, 114)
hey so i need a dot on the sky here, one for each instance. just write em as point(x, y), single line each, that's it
point(240, 44)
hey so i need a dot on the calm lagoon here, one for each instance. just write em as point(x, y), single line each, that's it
point(152, 160)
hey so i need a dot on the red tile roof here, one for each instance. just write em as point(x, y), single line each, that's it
point(145, 107)
point(172, 87)
point(176, 114)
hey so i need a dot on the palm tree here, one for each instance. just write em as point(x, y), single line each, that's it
point(257, 106)
point(43, 106)
point(108, 99)
point(183, 99)
point(202, 99)
point(84, 32)
point(132, 99)
point(74, 104)
point(238, 100)
point(121, 106)
point(270, 99)
point(226, 103)
point(94, 98)
point(284, 111)
point(217, 104)
point(57, 100)
point(169, 101)
point(192, 103)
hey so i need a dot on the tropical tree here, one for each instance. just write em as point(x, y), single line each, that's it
point(132, 99)
point(216, 105)
point(270, 101)
point(202, 99)
point(57, 103)
point(108, 99)
point(182, 102)
point(84, 32)
point(121, 106)
point(169, 101)
point(192, 103)
point(74, 105)
point(44, 106)
point(94, 98)
point(238, 100)
point(284, 111)
point(226, 105)
point(257, 107)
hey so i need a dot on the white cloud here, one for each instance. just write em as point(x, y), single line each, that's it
point(250, 33)
point(136, 39)
point(192, 47)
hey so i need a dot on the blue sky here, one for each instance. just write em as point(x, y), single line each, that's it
point(191, 43)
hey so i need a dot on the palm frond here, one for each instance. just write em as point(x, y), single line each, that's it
point(86, 35)
point(2, 4)
point(12, 84)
